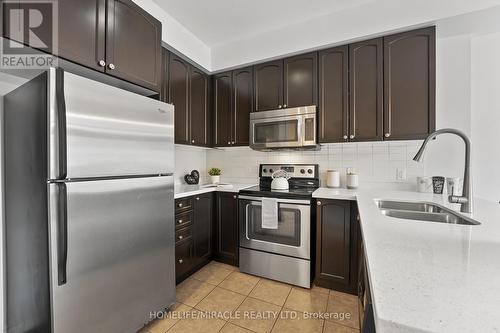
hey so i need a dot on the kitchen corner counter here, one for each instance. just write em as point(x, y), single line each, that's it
point(182, 191)
point(335, 193)
point(428, 276)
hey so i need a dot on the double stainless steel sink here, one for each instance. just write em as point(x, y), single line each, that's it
point(422, 211)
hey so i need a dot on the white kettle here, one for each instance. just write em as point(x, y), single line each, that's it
point(280, 180)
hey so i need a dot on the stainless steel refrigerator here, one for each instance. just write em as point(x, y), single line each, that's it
point(88, 199)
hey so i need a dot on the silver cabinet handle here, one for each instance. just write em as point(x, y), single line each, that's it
point(179, 221)
point(180, 237)
point(279, 106)
point(197, 198)
point(351, 136)
point(181, 261)
point(180, 204)
point(111, 66)
point(284, 105)
point(235, 196)
point(229, 142)
point(387, 135)
point(318, 203)
point(192, 141)
point(102, 63)
point(345, 137)
point(232, 142)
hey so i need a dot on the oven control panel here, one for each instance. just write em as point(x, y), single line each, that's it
point(294, 170)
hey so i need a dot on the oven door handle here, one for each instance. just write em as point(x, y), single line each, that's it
point(287, 201)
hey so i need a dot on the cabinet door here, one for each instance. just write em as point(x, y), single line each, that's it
point(222, 87)
point(198, 106)
point(184, 252)
point(179, 97)
point(202, 229)
point(409, 83)
point(226, 236)
point(133, 44)
point(165, 57)
point(243, 105)
point(366, 90)
point(82, 32)
point(333, 94)
point(333, 237)
point(301, 80)
point(268, 86)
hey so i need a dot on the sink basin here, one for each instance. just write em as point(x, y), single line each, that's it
point(422, 211)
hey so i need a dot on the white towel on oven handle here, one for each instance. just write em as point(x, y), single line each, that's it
point(269, 213)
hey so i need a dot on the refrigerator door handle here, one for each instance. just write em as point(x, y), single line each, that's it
point(62, 234)
point(57, 125)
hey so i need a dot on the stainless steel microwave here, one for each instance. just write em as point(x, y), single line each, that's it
point(283, 128)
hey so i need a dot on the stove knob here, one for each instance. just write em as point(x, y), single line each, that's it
point(302, 171)
point(310, 171)
point(271, 170)
point(264, 170)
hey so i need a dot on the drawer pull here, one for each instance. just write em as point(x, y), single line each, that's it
point(180, 237)
point(180, 205)
point(319, 203)
point(180, 261)
point(180, 221)
point(197, 198)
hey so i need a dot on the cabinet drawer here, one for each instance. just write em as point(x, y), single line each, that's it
point(183, 220)
point(183, 256)
point(183, 204)
point(183, 234)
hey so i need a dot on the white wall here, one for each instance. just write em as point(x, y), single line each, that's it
point(189, 158)
point(177, 36)
point(368, 19)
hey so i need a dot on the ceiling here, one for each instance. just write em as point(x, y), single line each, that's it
point(223, 21)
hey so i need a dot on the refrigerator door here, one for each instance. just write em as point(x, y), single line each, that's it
point(96, 130)
point(111, 253)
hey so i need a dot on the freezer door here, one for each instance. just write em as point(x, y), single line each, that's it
point(96, 130)
point(111, 253)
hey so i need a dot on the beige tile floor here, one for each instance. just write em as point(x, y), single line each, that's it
point(278, 307)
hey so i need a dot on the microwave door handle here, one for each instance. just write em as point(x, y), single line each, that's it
point(300, 131)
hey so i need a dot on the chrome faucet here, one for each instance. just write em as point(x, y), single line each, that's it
point(466, 199)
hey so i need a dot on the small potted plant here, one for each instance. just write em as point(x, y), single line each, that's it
point(214, 175)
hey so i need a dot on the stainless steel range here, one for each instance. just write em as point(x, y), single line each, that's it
point(281, 253)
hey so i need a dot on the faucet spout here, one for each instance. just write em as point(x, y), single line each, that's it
point(466, 200)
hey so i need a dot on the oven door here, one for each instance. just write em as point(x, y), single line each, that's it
point(277, 132)
point(292, 237)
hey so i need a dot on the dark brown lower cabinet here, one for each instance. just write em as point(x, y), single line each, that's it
point(337, 245)
point(226, 228)
point(193, 234)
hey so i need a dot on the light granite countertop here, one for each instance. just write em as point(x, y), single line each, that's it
point(427, 276)
point(181, 191)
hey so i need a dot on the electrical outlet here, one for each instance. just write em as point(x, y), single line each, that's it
point(400, 174)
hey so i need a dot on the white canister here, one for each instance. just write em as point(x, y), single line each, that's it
point(332, 178)
point(215, 179)
point(352, 180)
point(454, 185)
point(424, 184)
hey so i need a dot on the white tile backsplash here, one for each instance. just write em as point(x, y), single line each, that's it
point(375, 162)
point(189, 158)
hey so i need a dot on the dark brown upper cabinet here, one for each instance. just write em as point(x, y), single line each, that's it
point(409, 81)
point(366, 90)
point(268, 86)
point(133, 44)
point(233, 102)
point(242, 105)
point(333, 95)
point(113, 36)
point(188, 91)
point(199, 121)
point(300, 80)
point(82, 32)
point(179, 72)
point(222, 99)
point(165, 60)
